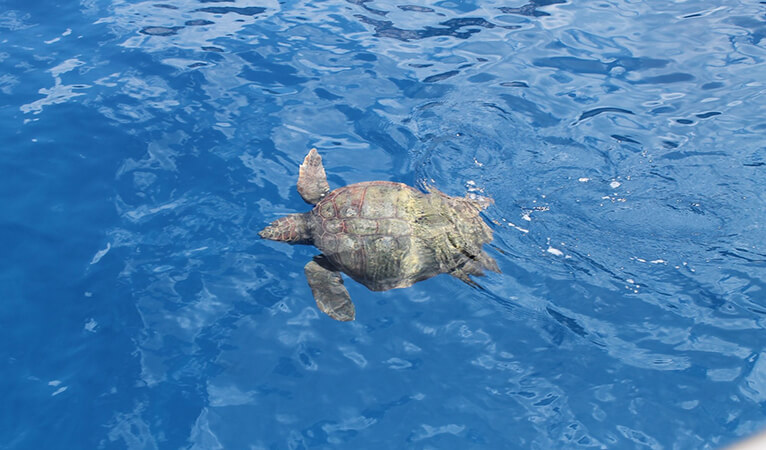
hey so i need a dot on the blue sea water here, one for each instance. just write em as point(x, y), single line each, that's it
point(144, 143)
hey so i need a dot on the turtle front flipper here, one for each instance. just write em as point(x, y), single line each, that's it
point(327, 286)
point(312, 180)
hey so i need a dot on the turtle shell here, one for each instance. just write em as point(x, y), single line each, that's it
point(369, 230)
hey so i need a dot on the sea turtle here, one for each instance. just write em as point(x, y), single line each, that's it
point(382, 234)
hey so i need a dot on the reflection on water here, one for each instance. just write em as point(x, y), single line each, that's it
point(621, 144)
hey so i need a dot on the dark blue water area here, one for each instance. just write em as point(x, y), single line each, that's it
point(144, 144)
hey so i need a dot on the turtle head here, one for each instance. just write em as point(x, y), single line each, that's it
point(293, 229)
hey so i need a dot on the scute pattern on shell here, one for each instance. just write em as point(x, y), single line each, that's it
point(365, 230)
point(361, 209)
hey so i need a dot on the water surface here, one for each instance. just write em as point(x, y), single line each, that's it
point(145, 143)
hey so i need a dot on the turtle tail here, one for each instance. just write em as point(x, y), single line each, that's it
point(293, 229)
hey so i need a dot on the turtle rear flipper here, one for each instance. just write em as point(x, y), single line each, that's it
point(476, 268)
point(488, 262)
point(312, 180)
point(330, 294)
point(463, 276)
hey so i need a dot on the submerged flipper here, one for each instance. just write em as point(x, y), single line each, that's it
point(488, 262)
point(327, 286)
point(462, 275)
point(312, 180)
point(476, 268)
